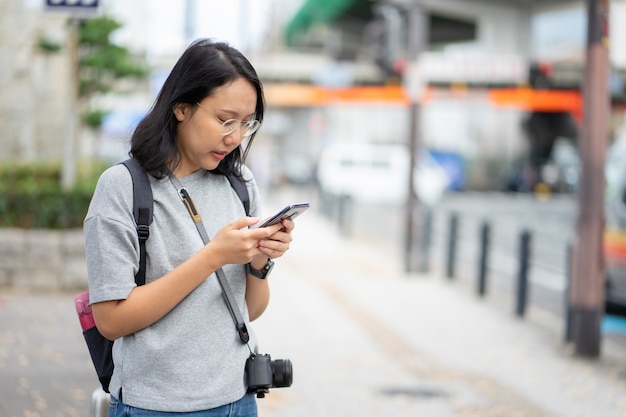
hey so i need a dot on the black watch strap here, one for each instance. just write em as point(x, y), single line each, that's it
point(263, 272)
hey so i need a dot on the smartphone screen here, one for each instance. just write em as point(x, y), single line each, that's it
point(289, 212)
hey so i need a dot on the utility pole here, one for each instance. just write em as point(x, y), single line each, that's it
point(587, 280)
point(70, 144)
point(76, 10)
point(244, 26)
point(417, 40)
point(191, 14)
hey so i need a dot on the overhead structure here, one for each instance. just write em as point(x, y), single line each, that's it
point(449, 20)
point(315, 12)
point(381, 25)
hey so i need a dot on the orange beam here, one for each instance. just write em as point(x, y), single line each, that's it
point(296, 95)
point(538, 100)
point(285, 95)
point(374, 94)
point(615, 245)
point(293, 95)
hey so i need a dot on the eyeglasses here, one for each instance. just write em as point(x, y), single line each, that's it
point(247, 127)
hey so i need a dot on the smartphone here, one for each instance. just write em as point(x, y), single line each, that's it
point(289, 212)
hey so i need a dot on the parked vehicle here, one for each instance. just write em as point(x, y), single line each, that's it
point(367, 172)
point(615, 224)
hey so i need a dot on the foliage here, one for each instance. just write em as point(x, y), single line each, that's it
point(101, 63)
point(94, 118)
point(48, 46)
point(33, 198)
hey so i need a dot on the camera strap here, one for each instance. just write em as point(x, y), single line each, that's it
point(229, 298)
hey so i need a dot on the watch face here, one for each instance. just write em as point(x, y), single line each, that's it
point(266, 269)
point(262, 273)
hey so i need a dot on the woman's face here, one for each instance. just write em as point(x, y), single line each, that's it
point(198, 131)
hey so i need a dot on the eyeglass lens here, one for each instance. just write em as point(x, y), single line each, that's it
point(247, 128)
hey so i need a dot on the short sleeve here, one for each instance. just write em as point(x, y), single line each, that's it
point(111, 242)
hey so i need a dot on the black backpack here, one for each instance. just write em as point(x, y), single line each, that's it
point(100, 348)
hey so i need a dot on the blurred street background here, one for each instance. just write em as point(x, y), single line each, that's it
point(477, 147)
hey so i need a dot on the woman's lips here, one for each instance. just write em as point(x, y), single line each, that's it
point(219, 155)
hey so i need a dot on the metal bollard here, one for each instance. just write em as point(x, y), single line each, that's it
point(568, 277)
point(100, 403)
point(425, 239)
point(325, 205)
point(452, 237)
point(522, 277)
point(485, 231)
point(344, 214)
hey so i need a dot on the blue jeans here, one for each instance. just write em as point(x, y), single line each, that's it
point(245, 407)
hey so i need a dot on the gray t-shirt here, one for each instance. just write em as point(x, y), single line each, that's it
point(191, 359)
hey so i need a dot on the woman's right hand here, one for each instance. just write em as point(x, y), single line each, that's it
point(236, 244)
point(146, 304)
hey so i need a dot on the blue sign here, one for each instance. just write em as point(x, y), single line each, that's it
point(453, 164)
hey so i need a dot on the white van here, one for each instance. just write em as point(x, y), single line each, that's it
point(372, 172)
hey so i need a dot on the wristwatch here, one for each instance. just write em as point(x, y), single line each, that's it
point(263, 272)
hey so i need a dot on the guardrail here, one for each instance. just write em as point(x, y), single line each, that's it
point(514, 257)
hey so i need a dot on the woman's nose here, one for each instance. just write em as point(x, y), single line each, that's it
point(235, 137)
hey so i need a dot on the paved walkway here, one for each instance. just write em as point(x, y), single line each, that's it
point(365, 340)
point(369, 340)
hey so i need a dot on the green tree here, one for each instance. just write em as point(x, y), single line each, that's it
point(98, 64)
point(101, 63)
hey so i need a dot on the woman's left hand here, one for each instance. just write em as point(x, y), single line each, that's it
point(277, 244)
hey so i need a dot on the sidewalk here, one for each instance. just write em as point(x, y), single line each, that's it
point(365, 340)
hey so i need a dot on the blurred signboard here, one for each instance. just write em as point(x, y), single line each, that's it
point(72, 5)
point(450, 68)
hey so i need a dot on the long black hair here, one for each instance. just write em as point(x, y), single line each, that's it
point(204, 66)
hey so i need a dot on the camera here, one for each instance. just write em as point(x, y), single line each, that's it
point(263, 373)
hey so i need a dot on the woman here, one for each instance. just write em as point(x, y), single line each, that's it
point(177, 348)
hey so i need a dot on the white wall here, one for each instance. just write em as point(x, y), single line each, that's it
point(617, 29)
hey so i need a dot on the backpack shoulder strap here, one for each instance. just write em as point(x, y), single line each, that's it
point(142, 211)
point(143, 208)
point(241, 190)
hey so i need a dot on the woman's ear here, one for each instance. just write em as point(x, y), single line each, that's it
point(181, 110)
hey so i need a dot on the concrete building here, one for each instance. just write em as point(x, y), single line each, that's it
point(334, 52)
point(33, 81)
point(469, 48)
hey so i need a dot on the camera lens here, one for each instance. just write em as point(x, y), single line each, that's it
point(282, 373)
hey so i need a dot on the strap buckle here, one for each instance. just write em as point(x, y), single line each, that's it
point(243, 332)
point(143, 231)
